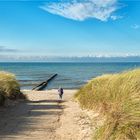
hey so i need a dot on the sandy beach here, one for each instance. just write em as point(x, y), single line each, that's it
point(45, 117)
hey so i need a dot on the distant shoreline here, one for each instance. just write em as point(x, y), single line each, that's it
point(73, 62)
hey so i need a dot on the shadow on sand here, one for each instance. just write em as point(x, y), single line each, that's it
point(22, 117)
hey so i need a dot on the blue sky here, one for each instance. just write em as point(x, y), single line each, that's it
point(69, 28)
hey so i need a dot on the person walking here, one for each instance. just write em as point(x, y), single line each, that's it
point(61, 92)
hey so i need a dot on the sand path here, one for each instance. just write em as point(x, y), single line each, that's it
point(44, 117)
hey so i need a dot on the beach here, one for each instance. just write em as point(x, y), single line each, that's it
point(90, 49)
point(99, 110)
point(45, 117)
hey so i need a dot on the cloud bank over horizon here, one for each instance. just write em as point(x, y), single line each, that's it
point(6, 49)
point(95, 58)
point(102, 10)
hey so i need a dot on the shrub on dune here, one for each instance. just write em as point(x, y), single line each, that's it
point(117, 96)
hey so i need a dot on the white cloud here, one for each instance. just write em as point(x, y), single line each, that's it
point(81, 10)
point(135, 26)
point(114, 17)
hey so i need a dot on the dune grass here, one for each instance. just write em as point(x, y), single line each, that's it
point(9, 87)
point(117, 98)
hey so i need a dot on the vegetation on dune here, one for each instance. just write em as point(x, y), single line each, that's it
point(9, 87)
point(117, 98)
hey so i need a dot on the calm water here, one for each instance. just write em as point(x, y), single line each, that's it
point(70, 75)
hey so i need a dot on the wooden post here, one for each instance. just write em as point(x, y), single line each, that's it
point(42, 85)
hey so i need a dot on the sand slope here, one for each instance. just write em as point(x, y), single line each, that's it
point(45, 117)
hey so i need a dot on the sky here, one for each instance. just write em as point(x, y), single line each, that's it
point(68, 28)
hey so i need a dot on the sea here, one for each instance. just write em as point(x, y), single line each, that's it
point(70, 75)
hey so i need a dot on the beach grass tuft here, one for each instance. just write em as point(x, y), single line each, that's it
point(9, 87)
point(117, 98)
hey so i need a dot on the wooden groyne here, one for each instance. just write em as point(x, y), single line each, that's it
point(44, 84)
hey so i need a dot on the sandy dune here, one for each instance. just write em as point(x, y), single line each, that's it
point(44, 117)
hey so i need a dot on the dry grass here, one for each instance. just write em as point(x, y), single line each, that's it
point(117, 98)
point(9, 87)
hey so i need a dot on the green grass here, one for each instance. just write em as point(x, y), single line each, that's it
point(9, 87)
point(117, 98)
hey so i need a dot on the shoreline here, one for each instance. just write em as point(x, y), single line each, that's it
point(24, 89)
point(53, 89)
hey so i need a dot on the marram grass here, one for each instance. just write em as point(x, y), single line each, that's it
point(9, 87)
point(117, 98)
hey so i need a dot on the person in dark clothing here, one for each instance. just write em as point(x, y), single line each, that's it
point(60, 91)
